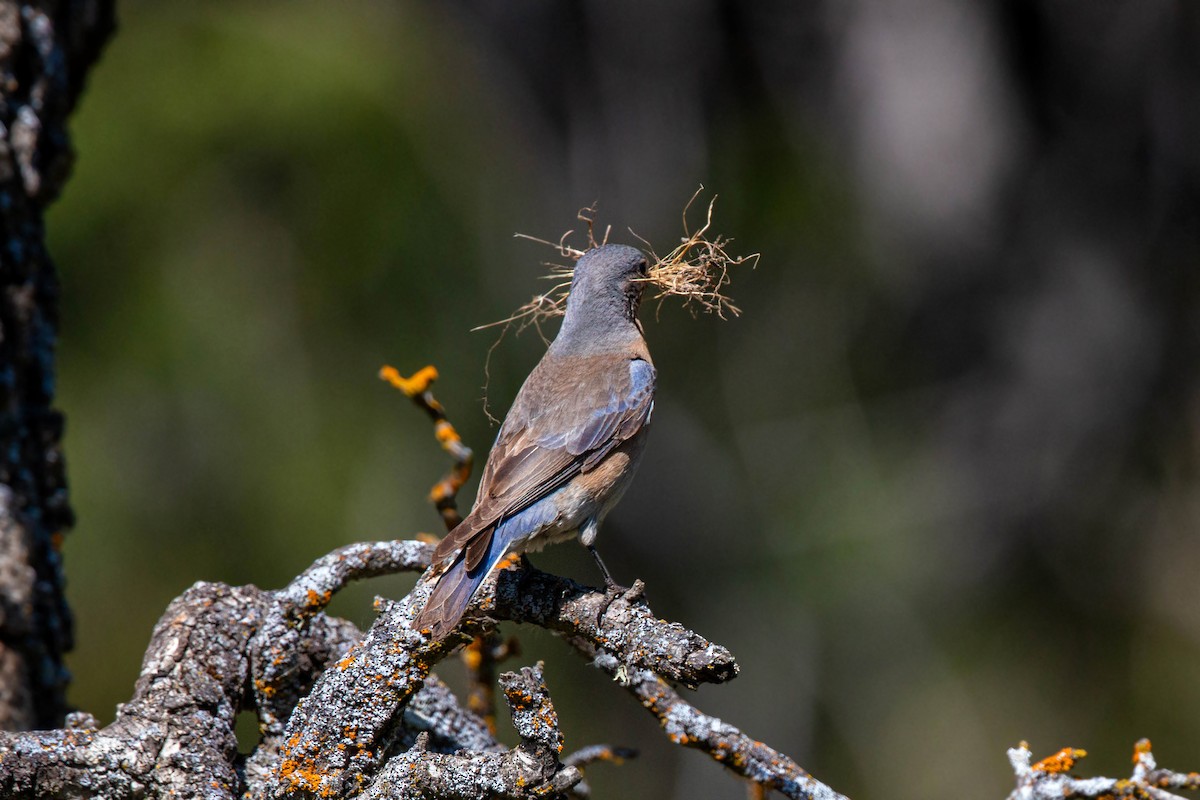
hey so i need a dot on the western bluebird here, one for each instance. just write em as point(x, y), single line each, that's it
point(570, 443)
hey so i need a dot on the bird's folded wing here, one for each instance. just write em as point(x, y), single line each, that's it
point(556, 429)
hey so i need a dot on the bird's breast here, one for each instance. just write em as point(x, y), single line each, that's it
point(589, 495)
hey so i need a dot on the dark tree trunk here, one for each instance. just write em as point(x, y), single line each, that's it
point(45, 52)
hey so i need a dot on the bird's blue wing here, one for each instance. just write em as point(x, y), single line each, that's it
point(556, 429)
point(629, 408)
point(567, 429)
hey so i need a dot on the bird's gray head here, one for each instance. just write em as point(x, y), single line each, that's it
point(604, 298)
point(610, 273)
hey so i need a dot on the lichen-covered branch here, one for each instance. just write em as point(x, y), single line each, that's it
point(324, 755)
point(277, 652)
point(343, 714)
point(1050, 778)
point(481, 655)
point(687, 726)
point(532, 769)
point(175, 736)
point(346, 715)
point(340, 734)
point(444, 494)
point(622, 627)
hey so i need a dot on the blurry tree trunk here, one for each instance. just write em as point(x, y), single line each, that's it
point(45, 51)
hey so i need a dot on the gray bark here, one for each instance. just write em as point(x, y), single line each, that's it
point(46, 49)
point(343, 714)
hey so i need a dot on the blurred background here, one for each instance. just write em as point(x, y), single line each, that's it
point(936, 488)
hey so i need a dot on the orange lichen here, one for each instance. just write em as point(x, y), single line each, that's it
point(416, 388)
point(346, 662)
point(1141, 748)
point(317, 600)
point(510, 560)
point(472, 655)
point(418, 383)
point(1062, 761)
point(444, 432)
point(304, 775)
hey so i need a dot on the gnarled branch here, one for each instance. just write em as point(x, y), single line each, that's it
point(340, 713)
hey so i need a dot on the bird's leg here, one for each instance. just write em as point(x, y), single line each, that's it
point(609, 584)
point(587, 537)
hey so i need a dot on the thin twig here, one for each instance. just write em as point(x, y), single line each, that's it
point(444, 494)
point(480, 658)
point(600, 753)
point(687, 726)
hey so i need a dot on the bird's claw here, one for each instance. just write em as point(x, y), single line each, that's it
point(630, 594)
point(614, 589)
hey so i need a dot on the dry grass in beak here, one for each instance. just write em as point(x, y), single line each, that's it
point(697, 270)
point(541, 307)
point(552, 303)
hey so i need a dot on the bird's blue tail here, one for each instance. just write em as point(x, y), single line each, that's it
point(454, 590)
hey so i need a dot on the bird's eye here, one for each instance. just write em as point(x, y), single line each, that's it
point(642, 267)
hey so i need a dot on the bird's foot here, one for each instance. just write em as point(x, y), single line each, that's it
point(630, 594)
point(612, 588)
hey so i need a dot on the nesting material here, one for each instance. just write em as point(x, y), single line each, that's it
point(696, 270)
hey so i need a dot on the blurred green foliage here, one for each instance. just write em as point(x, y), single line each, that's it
point(272, 200)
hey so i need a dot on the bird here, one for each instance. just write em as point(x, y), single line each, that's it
point(569, 445)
